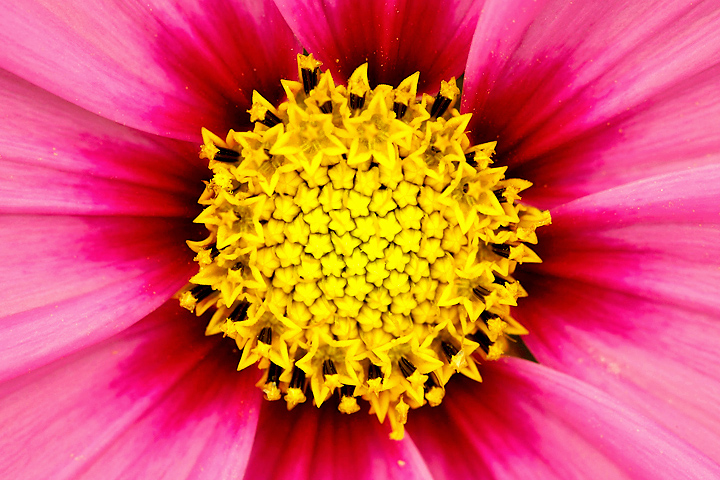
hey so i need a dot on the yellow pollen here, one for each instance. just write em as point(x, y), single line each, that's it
point(359, 245)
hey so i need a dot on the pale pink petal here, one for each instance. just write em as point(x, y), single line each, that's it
point(311, 443)
point(628, 298)
point(165, 67)
point(529, 421)
point(59, 158)
point(156, 401)
point(397, 38)
point(70, 282)
point(595, 94)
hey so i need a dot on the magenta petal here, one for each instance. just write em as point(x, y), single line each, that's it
point(602, 89)
point(73, 281)
point(397, 38)
point(59, 158)
point(628, 298)
point(156, 401)
point(311, 443)
point(528, 421)
point(164, 67)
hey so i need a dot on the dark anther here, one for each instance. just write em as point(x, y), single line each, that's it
point(356, 101)
point(487, 316)
point(501, 281)
point(480, 292)
point(465, 188)
point(298, 379)
point(227, 155)
point(238, 315)
point(449, 350)
point(374, 371)
point(214, 252)
point(329, 368)
point(440, 105)
point(499, 195)
point(201, 292)
point(270, 119)
point(326, 107)
point(265, 336)
point(346, 391)
point(482, 339)
point(310, 79)
point(501, 249)
point(274, 373)
point(237, 266)
point(399, 109)
point(470, 159)
point(406, 367)
point(431, 382)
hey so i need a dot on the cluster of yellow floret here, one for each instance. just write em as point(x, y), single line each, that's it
point(359, 244)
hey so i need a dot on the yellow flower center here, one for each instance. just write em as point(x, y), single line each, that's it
point(359, 244)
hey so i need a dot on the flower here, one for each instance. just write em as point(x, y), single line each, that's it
point(609, 108)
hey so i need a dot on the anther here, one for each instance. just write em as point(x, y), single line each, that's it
point(226, 155)
point(274, 372)
point(501, 281)
point(309, 78)
point(270, 119)
point(440, 106)
point(298, 379)
point(326, 107)
point(482, 339)
point(480, 292)
point(487, 316)
point(239, 313)
point(399, 109)
point(449, 350)
point(501, 249)
point(499, 195)
point(346, 391)
point(470, 159)
point(265, 336)
point(329, 368)
point(406, 367)
point(201, 292)
point(356, 101)
point(374, 372)
point(431, 382)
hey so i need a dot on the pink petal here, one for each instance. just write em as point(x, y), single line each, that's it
point(312, 443)
point(628, 298)
point(600, 92)
point(70, 282)
point(156, 401)
point(59, 158)
point(528, 421)
point(397, 38)
point(163, 67)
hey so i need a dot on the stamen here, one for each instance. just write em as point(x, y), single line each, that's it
point(226, 155)
point(502, 250)
point(265, 336)
point(406, 367)
point(240, 312)
point(329, 368)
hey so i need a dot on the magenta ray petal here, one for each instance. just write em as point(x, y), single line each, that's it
point(311, 443)
point(73, 281)
point(628, 298)
point(163, 67)
point(156, 401)
point(59, 158)
point(397, 38)
point(656, 238)
point(601, 89)
point(660, 359)
point(529, 421)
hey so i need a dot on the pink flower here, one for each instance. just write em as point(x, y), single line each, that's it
point(610, 108)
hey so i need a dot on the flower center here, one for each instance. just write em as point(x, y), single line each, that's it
point(360, 244)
